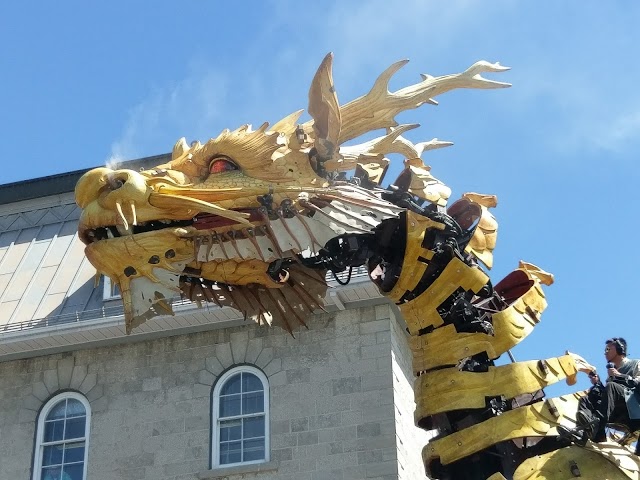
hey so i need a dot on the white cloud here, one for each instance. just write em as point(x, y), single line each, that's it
point(620, 132)
point(189, 108)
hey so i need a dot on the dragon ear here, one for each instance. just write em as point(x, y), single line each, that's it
point(324, 109)
point(179, 148)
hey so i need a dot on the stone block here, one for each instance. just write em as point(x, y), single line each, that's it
point(375, 351)
point(214, 366)
point(333, 404)
point(200, 390)
point(88, 383)
point(239, 341)
point(307, 438)
point(374, 326)
point(32, 403)
point(77, 376)
point(383, 311)
point(151, 384)
point(99, 405)
point(280, 426)
point(298, 375)
point(26, 416)
point(371, 429)
point(300, 424)
point(282, 454)
point(254, 347)
point(265, 356)
point(335, 474)
point(50, 379)
point(273, 367)
point(278, 379)
point(206, 378)
point(197, 422)
point(40, 391)
point(381, 469)
point(95, 393)
point(346, 385)
point(376, 381)
point(65, 369)
point(223, 352)
point(325, 420)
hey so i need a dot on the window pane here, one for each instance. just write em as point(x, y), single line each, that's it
point(52, 455)
point(232, 385)
point(74, 452)
point(250, 382)
point(229, 406)
point(53, 431)
point(51, 473)
point(230, 430)
point(58, 411)
point(252, 402)
point(74, 472)
point(253, 427)
point(253, 450)
point(230, 453)
point(75, 428)
point(75, 408)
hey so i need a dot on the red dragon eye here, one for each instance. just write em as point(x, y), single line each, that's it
point(221, 164)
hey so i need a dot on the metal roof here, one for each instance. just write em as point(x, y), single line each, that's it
point(43, 270)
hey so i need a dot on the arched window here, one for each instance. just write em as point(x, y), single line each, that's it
point(240, 418)
point(62, 438)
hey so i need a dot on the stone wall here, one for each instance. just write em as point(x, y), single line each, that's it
point(410, 439)
point(333, 414)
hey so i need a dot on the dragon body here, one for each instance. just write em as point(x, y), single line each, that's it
point(254, 219)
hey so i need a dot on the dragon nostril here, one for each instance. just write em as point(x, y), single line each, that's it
point(115, 182)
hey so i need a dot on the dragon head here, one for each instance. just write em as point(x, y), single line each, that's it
point(233, 220)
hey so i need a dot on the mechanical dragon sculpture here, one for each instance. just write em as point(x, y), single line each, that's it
point(254, 219)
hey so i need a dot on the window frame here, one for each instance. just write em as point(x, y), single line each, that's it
point(42, 416)
point(107, 292)
point(215, 417)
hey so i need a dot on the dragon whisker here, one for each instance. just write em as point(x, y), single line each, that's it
point(172, 202)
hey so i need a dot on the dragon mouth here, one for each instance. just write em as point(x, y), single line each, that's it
point(202, 221)
point(114, 231)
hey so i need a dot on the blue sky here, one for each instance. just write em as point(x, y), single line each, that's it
point(84, 82)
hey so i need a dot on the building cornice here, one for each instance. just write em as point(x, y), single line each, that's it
point(40, 338)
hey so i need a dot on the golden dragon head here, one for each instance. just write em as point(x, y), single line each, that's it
point(233, 220)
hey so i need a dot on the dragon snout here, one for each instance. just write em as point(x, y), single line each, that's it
point(90, 185)
point(113, 189)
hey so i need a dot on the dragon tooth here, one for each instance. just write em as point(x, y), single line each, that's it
point(134, 216)
point(122, 230)
point(122, 217)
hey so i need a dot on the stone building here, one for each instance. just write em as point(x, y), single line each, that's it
point(200, 395)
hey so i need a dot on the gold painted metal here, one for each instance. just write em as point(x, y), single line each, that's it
point(496, 476)
point(444, 346)
point(484, 238)
point(416, 257)
point(422, 312)
point(537, 420)
point(596, 461)
point(451, 389)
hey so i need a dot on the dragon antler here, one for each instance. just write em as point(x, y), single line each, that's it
point(378, 108)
